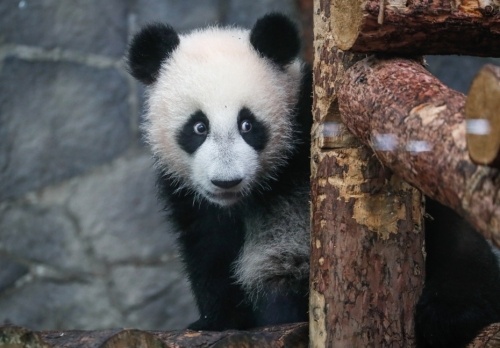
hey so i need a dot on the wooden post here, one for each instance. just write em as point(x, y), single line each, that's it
point(367, 259)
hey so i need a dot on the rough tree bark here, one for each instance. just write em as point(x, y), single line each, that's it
point(416, 126)
point(482, 111)
point(285, 336)
point(292, 335)
point(487, 338)
point(417, 26)
point(366, 260)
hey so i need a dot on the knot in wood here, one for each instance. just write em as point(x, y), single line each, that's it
point(489, 11)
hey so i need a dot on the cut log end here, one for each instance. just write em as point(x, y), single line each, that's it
point(482, 111)
point(347, 24)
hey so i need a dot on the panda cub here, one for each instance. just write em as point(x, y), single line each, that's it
point(228, 119)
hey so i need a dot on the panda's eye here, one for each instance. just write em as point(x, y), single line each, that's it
point(200, 128)
point(245, 126)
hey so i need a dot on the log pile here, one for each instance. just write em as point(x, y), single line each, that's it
point(412, 124)
point(416, 127)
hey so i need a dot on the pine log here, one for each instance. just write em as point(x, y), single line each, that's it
point(482, 111)
point(417, 27)
point(293, 335)
point(416, 126)
point(366, 259)
point(290, 335)
point(489, 337)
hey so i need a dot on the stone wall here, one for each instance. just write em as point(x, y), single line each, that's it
point(83, 243)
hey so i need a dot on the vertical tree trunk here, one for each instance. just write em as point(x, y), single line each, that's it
point(367, 241)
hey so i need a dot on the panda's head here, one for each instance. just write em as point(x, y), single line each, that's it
point(221, 103)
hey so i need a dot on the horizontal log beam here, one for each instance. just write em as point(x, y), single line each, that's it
point(417, 27)
point(489, 337)
point(290, 335)
point(416, 127)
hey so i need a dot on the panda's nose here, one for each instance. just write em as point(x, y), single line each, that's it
point(226, 184)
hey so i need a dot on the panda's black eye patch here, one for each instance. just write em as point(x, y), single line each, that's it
point(194, 132)
point(254, 132)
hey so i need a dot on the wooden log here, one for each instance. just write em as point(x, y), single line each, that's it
point(293, 335)
point(489, 337)
point(417, 27)
point(482, 111)
point(366, 260)
point(290, 335)
point(416, 126)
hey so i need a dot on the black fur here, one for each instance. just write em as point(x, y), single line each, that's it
point(258, 136)
point(277, 307)
point(462, 284)
point(149, 48)
point(187, 139)
point(275, 37)
point(210, 240)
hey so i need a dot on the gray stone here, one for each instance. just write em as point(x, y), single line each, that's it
point(148, 282)
point(47, 305)
point(156, 297)
point(91, 26)
point(43, 236)
point(172, 311)
point(456, 72)
point(119, 213)
point(245, 13)
point(58, 120)
point(181, 14)
point(10, 272)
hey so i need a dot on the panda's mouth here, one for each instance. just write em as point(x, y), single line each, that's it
point(224, 197)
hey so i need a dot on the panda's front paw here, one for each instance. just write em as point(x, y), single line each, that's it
point(203, 324)
point(206, 324)
point(238, 321)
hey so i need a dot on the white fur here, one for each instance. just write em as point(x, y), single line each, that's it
point(217, 71)
point(224, 156)
point(276, 249)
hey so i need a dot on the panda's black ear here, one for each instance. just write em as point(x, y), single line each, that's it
point(276, 37)
point(149, 49)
